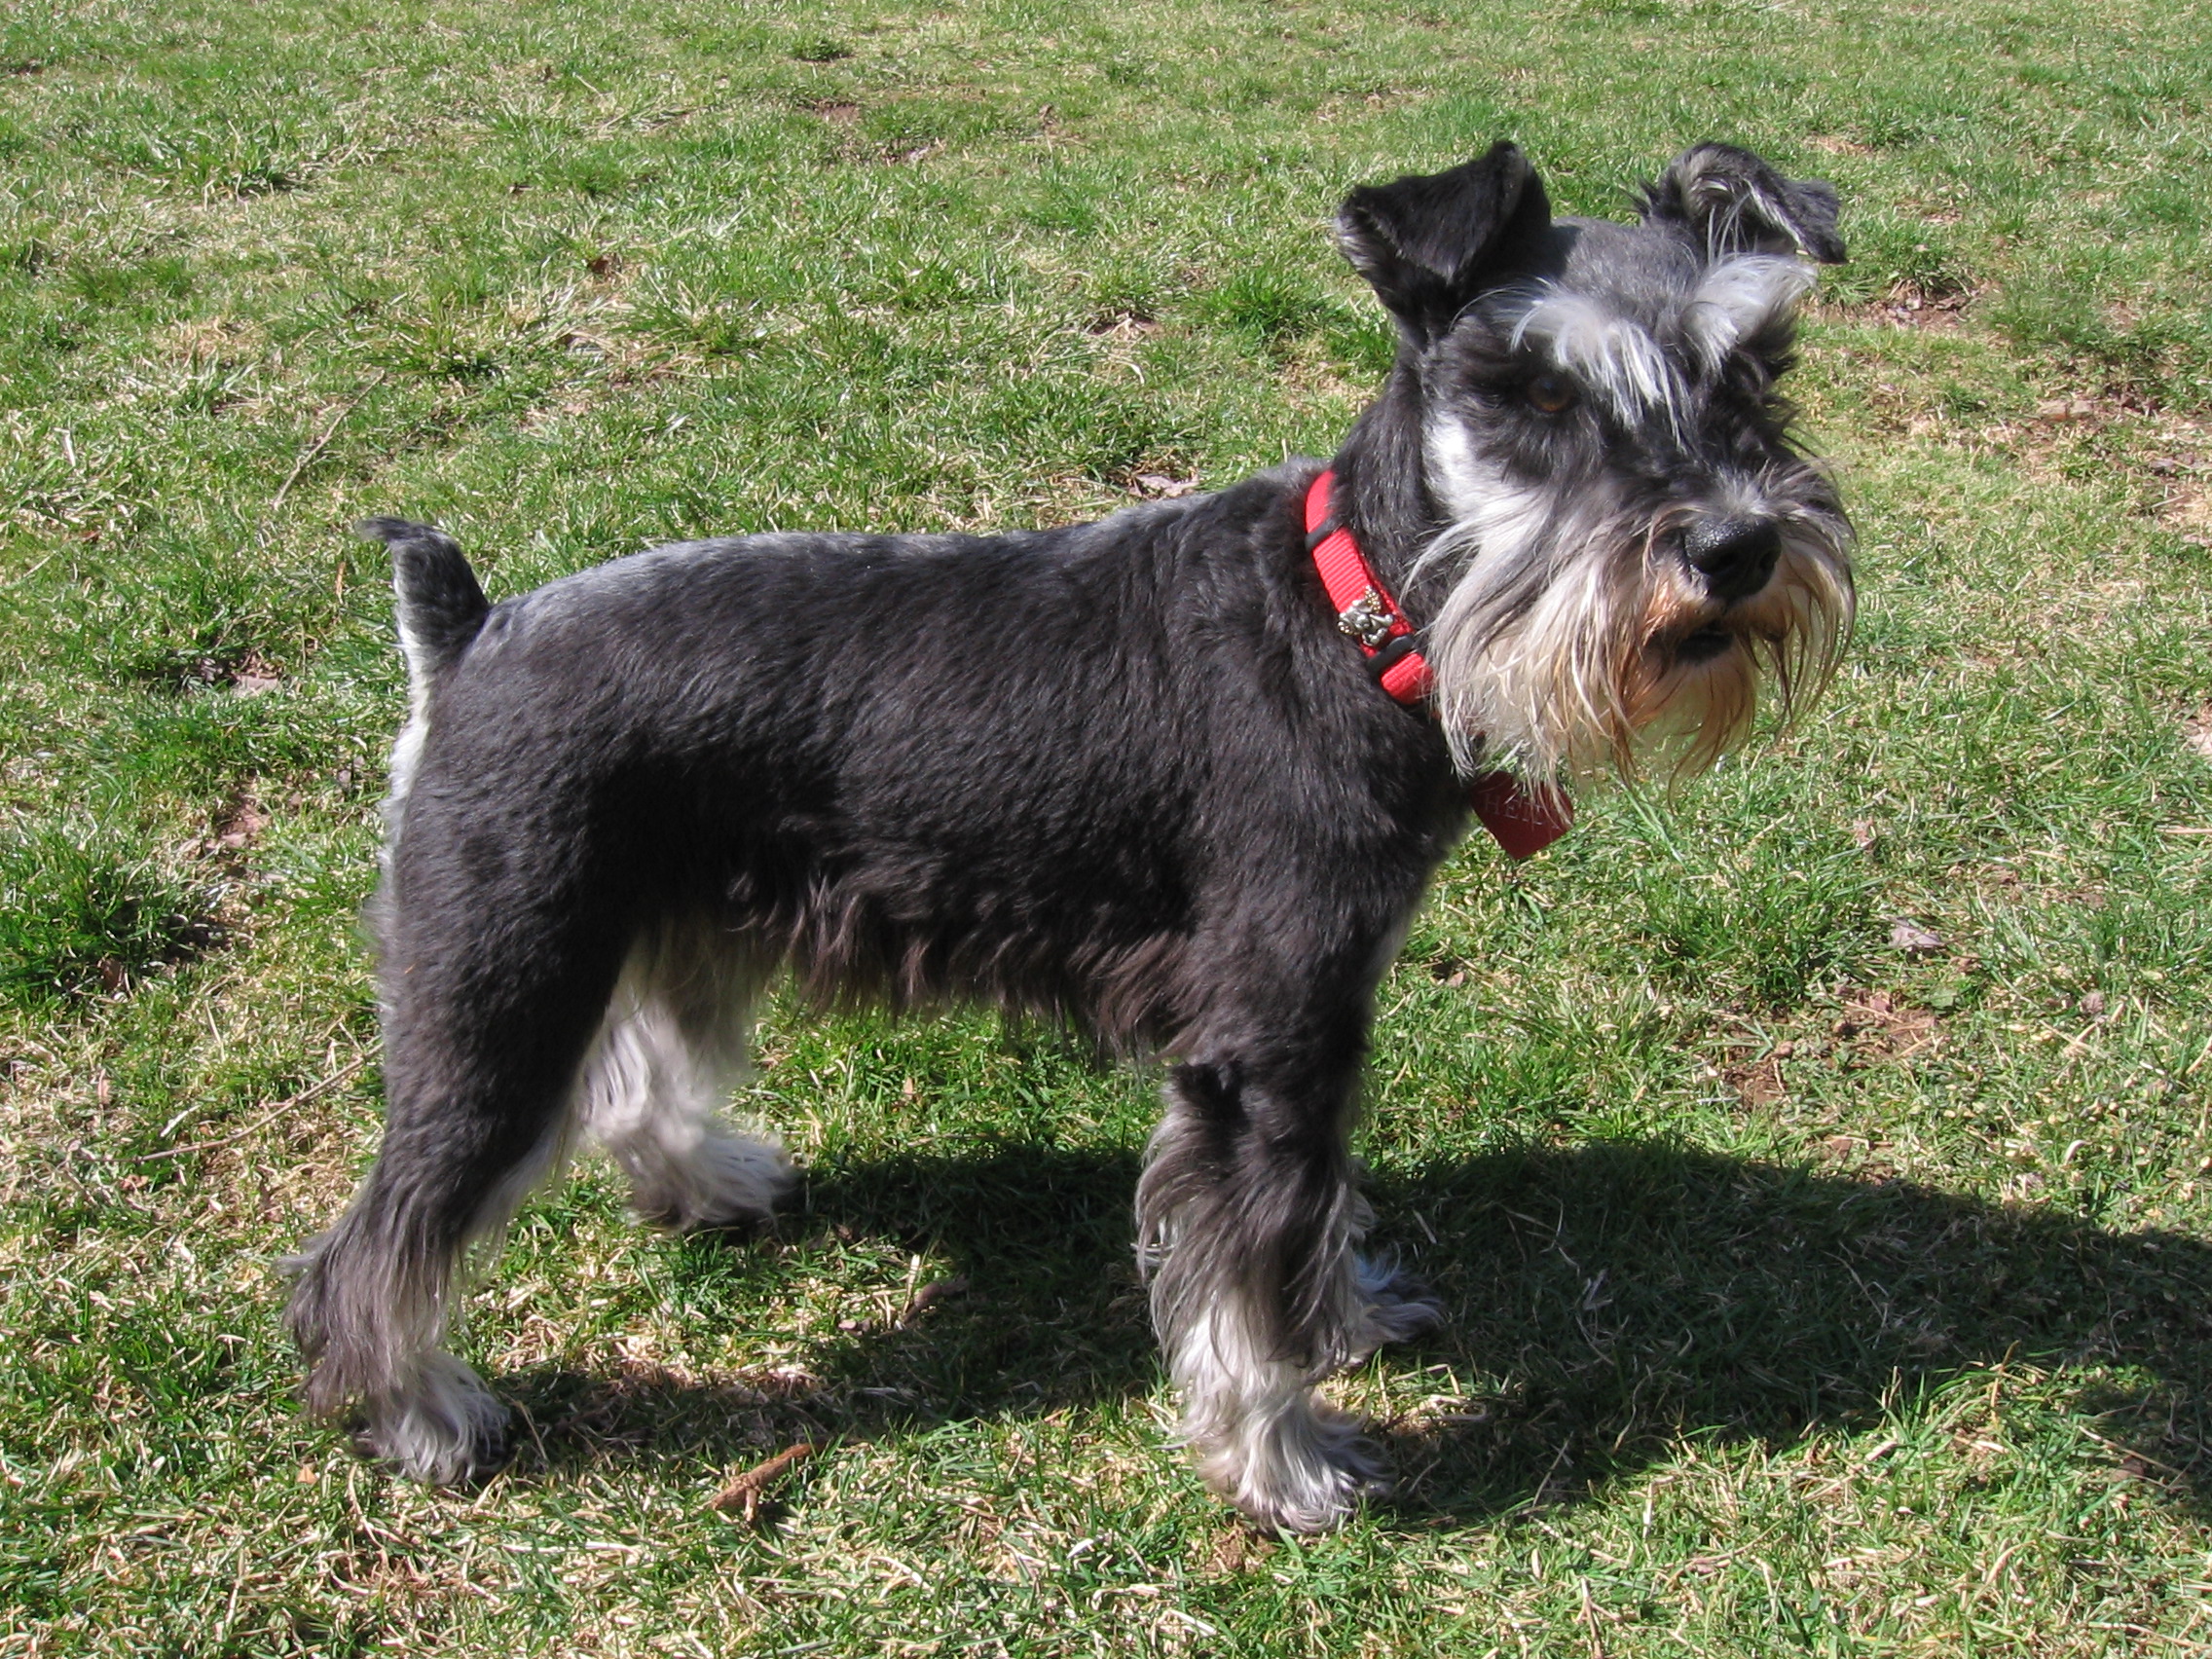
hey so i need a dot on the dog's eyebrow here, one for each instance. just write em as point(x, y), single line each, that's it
point(1740, 296)
point(1613, 353)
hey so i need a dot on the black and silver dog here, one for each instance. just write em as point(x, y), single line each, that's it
point(1133, 775)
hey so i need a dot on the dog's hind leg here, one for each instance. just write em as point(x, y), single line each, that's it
point(1247, 1225)
point(489, 1008)
point(672, 1049)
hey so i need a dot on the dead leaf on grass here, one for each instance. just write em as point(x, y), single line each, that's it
point(241, 826)
point(1123, 325)
point(1159, 487)
point(936, 1291)
point(1913, 939)
point(2188, 507)
point(1758, 1086)
point(1237, 1549)
point(2066, 411)
point(1878, 1028)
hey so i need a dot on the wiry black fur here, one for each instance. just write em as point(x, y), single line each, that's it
point(1129, 775)
point(1732, 202)
point(863, 789)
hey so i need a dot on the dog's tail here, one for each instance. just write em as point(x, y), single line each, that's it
point(441, 604)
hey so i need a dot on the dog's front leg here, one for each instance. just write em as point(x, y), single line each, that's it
point(1247, 1225)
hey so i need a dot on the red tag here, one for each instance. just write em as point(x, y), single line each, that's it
point(1526, 818)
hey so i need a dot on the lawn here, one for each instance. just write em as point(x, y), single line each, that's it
point(1816, 1164)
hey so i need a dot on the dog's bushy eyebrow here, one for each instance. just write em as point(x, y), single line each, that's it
point(1748, 301)
point(1742, 300)
point(1614, 354)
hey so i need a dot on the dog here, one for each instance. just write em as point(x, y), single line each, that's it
point(1177, 778)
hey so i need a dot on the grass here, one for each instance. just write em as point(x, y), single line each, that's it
point(1814, 1284)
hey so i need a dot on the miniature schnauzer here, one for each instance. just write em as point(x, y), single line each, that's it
point(1132, 775)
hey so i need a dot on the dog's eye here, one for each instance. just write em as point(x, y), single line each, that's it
point(1550, 393)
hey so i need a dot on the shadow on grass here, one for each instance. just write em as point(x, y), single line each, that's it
point(1632, 1295)
point(1044, 1313)
point(1616, 1298)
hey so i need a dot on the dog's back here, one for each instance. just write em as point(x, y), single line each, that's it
point(917, 767)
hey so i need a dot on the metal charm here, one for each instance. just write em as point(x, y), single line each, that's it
point(1367, 619)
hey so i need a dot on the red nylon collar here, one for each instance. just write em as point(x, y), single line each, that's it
point(1525, 818)
point(1364, 607)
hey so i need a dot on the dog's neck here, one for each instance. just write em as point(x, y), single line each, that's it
point(1382, 492)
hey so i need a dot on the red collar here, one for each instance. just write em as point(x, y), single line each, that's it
point(1364, 606)
point(1526, 818)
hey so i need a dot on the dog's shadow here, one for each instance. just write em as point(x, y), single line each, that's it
point(1611, 1300)
point(1030, 1303)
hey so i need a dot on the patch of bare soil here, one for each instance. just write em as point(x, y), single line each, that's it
point(2196, 732)
point(1910, 306)
point(1874, 1028)
point(2180, 466)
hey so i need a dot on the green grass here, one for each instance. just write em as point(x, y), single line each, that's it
point(1807, 1292)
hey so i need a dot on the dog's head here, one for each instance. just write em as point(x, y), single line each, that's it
point(1633, 544)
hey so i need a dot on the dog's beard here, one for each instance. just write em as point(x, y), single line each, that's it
point(1694, 689)
point(1570, 641)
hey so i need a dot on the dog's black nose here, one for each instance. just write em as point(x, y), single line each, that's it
point(1734, 555)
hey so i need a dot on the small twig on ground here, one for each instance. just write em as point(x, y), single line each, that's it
point(745, 1491)
point(300, 1099)
point(928, 1295)
point(1589, 1620)
point(323, 443)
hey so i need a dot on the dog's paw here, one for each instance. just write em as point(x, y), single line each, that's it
point(1305, 1470)
point(728, 1180)
point(444, 1429)
point(1394, 1307)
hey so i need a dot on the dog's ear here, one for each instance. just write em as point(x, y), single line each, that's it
point(1426, 242)
point(1733, 202)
